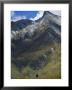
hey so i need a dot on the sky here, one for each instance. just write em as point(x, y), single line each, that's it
point(32, 15)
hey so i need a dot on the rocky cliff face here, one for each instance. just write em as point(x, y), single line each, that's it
point(18, 25)
point(44, 31)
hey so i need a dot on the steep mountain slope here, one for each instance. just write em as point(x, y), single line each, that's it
point(43, 31)
point(36, 46)
point(16, 26)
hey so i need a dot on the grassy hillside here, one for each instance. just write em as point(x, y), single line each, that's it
point(43, 63)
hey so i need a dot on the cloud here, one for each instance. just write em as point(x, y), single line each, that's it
point(39, 15)
point(16, 18)
point(56, 12)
